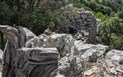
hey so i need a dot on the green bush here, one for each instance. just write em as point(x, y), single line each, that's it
point(100, 16)
point(99, 8)
point(33, 14)
point(80, 5)
point(120, 14)
point(110, 33)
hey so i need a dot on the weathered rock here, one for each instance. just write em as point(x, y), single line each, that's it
point(1, 56)
point(29, 34)
point(89, 52)
point(26, 62)
point(61, 41)
point(47, 32)
point(34, 42)
point(94, 72)
point(57, 55)
point(94, 52)
point(70, 67)
point(113, 62)
point(83, 24)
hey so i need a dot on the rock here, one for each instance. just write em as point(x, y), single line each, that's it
point(34, 42)
point(70, 67)
point(22, 60)
point(84, 22)
point(57, 55)
point(61, 41)
point(0, 74)
point(94, 52)
point(94, 72)
point(34, 60)
point(47, 32)
point(1, 56)
point(29, 34)
point(113, 62)
point(59, 75)
point(82, 35)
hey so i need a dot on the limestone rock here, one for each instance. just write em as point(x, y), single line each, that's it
point(84, 22)
point(70, 67)
point(29, 34)
point(94, 72)
point(22, 60)
point(61, 41)
point(113, 62)
point(94, 52)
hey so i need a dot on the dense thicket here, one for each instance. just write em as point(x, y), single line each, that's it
point(36, 15)
point(110, 32)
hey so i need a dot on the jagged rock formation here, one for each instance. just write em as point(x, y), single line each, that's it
point(22, 61)
point(56, 55)
point(60, 55)
point(82, 26)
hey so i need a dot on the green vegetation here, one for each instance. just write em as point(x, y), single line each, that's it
point(33, 14)
point(110, 32)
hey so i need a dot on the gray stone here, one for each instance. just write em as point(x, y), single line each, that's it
point(94, 52)
point(113, 61)
point(96, 71)
point(1, 56)
point(21, 60)
point(83, 21)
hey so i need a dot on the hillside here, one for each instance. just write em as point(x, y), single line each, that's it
point(61, 38)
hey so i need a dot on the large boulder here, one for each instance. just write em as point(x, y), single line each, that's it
point(93, 53)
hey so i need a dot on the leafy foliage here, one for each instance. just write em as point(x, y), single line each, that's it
point(120, 14)
point(110, 33)
point(100, 16)
point(33, 14)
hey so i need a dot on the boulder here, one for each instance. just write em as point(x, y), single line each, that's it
point(62, 42)
point(70, 67)
point(94, 52)
point(113, 62)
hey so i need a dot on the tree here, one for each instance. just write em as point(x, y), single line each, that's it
point(110, 33)
point(33, 14)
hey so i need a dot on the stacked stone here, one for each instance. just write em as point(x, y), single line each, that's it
point(85, 24)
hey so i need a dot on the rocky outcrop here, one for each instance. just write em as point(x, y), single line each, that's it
point(23, 57)
point(57, 55)
point(109, 66)
point(82, 26)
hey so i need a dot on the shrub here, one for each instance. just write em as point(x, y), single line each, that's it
point(100, 16)
point(110, 33)
point(78, 5)
point(120, 14)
